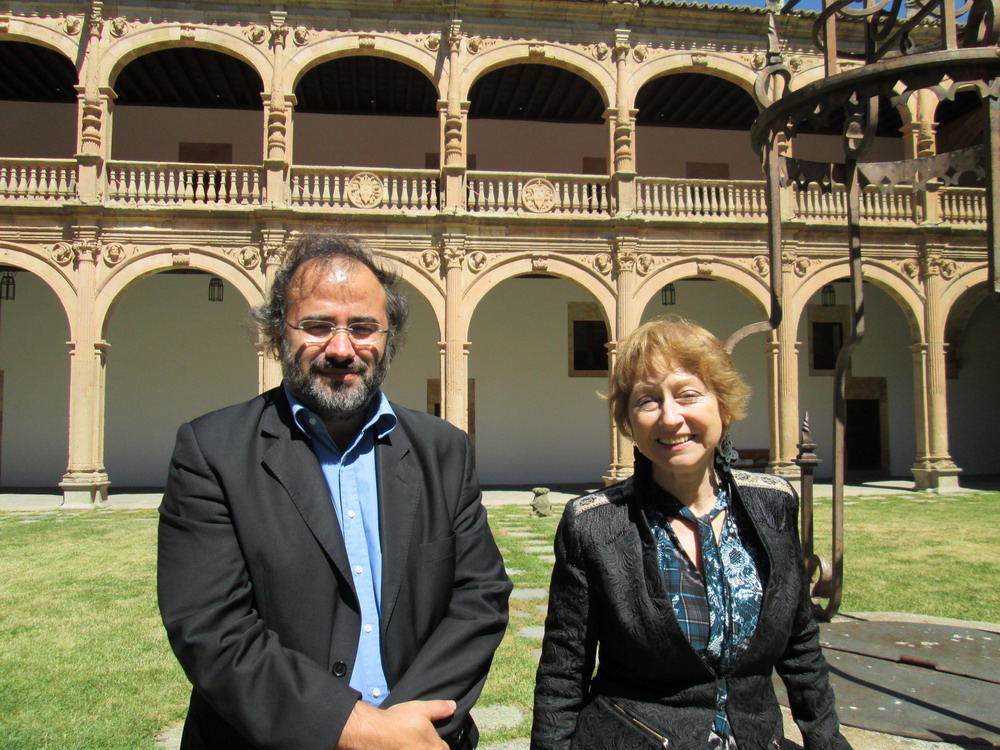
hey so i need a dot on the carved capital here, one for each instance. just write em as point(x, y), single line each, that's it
point(279, 34)
point(453, 252)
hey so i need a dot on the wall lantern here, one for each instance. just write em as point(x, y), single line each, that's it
point(215, 289)
point(829, 295)
point(668, 295)
point(8, 287)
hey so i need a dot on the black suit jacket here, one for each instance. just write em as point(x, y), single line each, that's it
point(608, 594)
point(256, 592)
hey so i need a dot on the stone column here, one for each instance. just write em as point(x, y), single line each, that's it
point(625, 322)
point(93, 137)
point(85, 483)
point(934, 468)
point(621, 119)
point(454, 349)
point(268, 368)
point(783, 402)
point(453, 115)
point(278, 108)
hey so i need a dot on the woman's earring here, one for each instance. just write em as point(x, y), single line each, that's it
point(726, 455)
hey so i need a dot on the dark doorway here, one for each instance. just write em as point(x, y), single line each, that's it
point(863, 438)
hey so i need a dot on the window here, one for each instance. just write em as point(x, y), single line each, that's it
point(588, 338)
point(828, 329)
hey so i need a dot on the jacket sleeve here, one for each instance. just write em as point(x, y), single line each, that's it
point(804, 669)
point(453, 662)
point(568, 650)
point(275, 697)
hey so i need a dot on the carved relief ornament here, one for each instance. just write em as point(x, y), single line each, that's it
point(365, 190)
point(477, 261)
point(603, 262)
point(600, 51)
point(644, 264)
point(430, 260)
point(538, 195)
point(71, 25)
point(761, 264)
point(119, 27)
point(256, 34)
point(300, 36)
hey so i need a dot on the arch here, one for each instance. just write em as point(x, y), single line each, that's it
point(962, 284)
point(719, 66)
point(34, 31)
point(404, 51)
point(515, 53)
point(52, 276)
point(731, 273)
point(518, 265)
point(165, 36)
point(415, 275)
point(904, 291)
point(133, 270)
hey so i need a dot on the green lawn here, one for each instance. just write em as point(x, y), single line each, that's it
point(84, 662)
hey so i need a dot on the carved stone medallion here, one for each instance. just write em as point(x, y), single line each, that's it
point(365, 190)
point(538, 195)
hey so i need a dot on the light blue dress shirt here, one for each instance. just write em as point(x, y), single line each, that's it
point(353, 484)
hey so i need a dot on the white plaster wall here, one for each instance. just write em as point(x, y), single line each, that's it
point(35, 362)
point(417, 361)
point(723, 310)
point(173, 356)
point(30, 130)
point(153, 133)
point(884, 352)
point(973, 406)
point(534, 423)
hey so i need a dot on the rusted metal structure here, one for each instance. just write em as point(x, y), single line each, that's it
point(937, 47)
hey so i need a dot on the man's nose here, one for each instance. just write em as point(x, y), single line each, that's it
point(340, 345)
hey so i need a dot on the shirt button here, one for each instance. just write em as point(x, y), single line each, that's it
point(312, 420)
point(376, 692)
point(368, 628)
point(358, 569)
point(350, 514)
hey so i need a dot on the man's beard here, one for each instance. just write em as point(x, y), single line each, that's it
point(333, 400)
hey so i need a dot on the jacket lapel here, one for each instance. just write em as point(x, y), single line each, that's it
point(399, 490)
point(291, 459)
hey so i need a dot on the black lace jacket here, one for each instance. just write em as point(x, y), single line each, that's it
point(607, 602)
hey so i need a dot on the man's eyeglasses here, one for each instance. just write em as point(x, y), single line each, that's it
point(321, 331)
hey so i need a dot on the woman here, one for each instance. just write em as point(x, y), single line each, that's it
point(686, 577)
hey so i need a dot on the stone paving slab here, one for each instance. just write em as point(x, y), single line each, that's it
point(519, 593)
point(493, 718)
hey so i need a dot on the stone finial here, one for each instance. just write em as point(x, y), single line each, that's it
point(541, 506)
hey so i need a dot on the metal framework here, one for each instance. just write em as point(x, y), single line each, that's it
point(937, 47)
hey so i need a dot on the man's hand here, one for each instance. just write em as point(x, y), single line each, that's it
point(406, 726)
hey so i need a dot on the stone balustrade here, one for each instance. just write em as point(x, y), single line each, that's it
point(418, 191)
point(37, 180)
point(162, 183)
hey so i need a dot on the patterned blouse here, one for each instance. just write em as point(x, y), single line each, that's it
point(718, 612)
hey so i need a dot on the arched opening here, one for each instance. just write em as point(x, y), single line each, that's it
point(823, 140)
point(709, 115)
point(536, 378)
point(531, 117)
point(173, 355)
point(37, 102)
point(973, 362)
point(414, 375)
point(880, 437)
point(723, 309)
point(188, 105)
point(350, 112)
point(34, 382)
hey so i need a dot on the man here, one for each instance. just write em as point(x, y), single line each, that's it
point(327, 577)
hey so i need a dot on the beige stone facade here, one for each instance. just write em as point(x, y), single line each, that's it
point(91, 226)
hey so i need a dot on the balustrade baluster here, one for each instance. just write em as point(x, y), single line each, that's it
point(492, 200)
point(32, 182)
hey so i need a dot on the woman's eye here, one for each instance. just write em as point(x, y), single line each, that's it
point(645, 404)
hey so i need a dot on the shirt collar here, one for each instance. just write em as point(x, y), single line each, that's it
point(381, 419)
